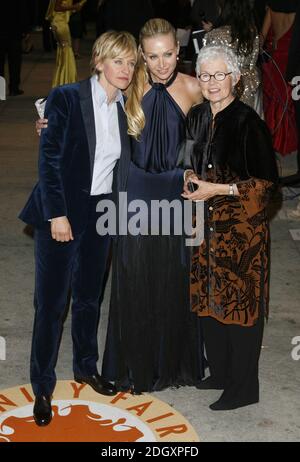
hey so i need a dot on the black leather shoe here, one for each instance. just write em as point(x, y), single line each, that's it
point(98, 384)
point(42, 411)
point(222, 405)
point(135, 391)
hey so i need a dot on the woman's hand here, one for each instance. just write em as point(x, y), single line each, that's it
point(61, 230)
point(205, 190)
point(39, 124)
point(207, 26)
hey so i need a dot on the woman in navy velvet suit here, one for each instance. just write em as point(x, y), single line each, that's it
point(84, 140)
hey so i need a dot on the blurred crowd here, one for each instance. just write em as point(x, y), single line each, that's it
point(265, 35)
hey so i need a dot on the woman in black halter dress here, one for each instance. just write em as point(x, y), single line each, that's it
point(153, 339)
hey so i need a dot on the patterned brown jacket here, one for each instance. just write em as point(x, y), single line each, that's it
point(230, 270)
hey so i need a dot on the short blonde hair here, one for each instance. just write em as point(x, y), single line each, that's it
point(110, 45)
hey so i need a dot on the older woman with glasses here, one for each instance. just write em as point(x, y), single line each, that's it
point(232, 168)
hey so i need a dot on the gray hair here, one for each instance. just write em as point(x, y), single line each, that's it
point(211, 52)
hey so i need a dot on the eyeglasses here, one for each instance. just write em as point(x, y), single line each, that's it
point(205, 77)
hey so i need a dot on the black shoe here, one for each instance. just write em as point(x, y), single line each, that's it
point(135, 391)
point(16, 92)
point(210, 384)
point(42, 411)
point(222, 405)
point(98, 384)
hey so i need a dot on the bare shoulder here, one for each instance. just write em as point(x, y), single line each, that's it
point(192, 86)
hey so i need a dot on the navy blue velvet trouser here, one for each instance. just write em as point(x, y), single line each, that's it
point(80, 265)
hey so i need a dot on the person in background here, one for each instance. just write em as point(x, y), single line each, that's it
point(59, 14)
point(163, 9)
point(14, 26)
point(48, 39)
point(181, 14)
point(121, 15)
point(293, 70)
point(204, 11)
point(259, 9)
point(276, 35)
point(232, 165)
point(236, 29)
point(100, 17)
point(77, 29)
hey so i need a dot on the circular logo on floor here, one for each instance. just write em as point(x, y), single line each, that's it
point(80, 414)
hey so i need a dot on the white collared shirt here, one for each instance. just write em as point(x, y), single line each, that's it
point(108, 143)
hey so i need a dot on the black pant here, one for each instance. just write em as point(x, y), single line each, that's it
point(48, 40)
point(11, 48)
point(80, 264)
point(233, 353)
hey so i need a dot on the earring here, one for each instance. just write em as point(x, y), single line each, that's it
point(177, 58)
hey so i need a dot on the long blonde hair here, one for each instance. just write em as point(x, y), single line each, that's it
point(135, 113)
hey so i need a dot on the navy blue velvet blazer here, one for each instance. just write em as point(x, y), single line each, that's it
point(66, 158)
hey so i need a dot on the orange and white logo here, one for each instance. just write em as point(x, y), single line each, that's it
point(80, 414)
